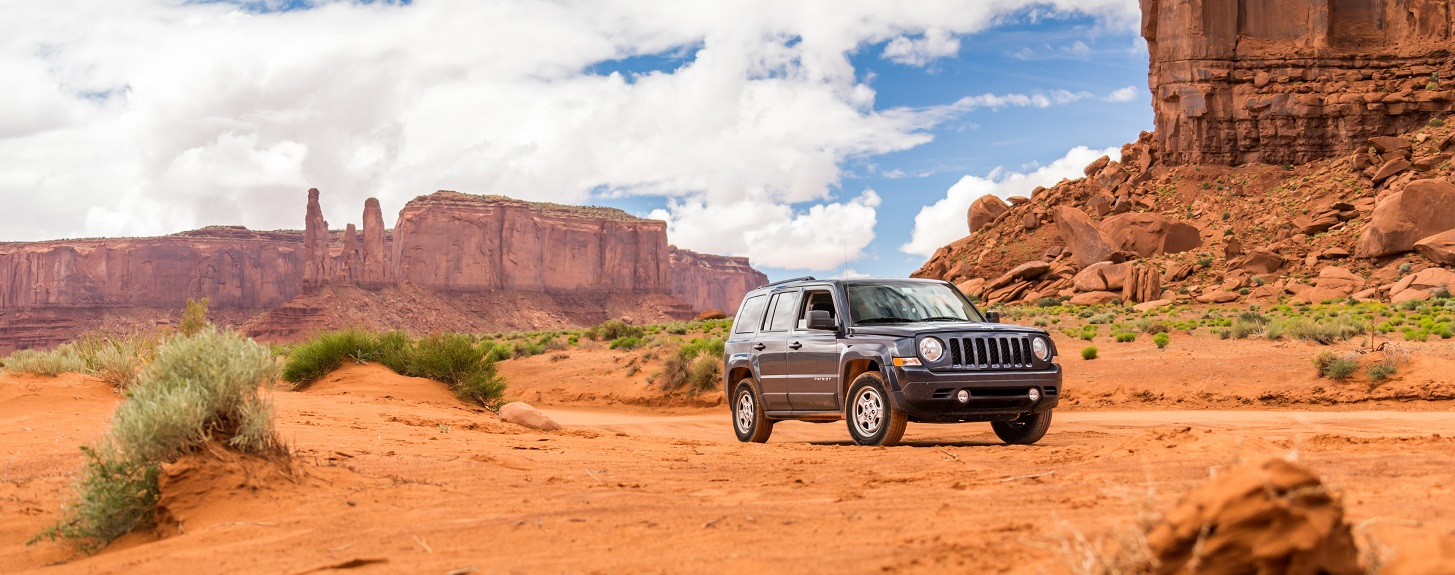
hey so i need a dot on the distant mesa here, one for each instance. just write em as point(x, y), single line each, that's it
point(460, 255)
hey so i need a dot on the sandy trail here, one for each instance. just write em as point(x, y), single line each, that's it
point(394, 477)
point(713, 426)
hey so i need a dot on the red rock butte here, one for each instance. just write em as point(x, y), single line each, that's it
point(1293, 81)
point(511, 264)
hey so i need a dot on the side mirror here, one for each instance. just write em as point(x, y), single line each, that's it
point(819, 319)
point(992, 316)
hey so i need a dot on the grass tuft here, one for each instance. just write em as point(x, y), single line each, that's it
point(467, 367)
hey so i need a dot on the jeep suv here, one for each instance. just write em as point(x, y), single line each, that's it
point(880, 353)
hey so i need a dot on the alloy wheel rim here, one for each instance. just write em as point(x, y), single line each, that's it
point(745, 411)
point(868, 411)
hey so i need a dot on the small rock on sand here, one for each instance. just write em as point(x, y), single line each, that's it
point(524, 415)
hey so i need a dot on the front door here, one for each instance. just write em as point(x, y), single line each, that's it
point(813, 358)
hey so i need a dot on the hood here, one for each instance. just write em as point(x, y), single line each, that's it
point(914, 329)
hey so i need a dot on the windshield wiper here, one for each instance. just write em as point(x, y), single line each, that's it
point(945, 318)
point(885, 320)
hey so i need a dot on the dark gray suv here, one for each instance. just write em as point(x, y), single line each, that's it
point(880, 353)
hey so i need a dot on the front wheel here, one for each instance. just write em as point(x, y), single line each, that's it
point(1024, 430)
point(749, 422)
point(873, 420)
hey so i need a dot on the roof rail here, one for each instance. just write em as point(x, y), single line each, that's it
point(804, 278)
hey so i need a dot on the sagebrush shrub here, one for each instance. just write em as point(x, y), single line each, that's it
point(199, 389)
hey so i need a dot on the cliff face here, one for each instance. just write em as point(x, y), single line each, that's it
point(712, 282)
point(232, 267)
point(459, 242)
point(555, 265)
point(1293, 81)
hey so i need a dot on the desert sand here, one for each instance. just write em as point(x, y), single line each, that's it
point(395, 475)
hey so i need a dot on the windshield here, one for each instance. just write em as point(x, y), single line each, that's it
point(905, 303)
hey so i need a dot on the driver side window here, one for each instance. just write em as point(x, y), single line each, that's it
point(815, 301)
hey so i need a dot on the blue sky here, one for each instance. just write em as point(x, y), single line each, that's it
point(1019, 56)
point(814, 137)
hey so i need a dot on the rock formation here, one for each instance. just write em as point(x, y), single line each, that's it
point(1292, 81)
point(985, 209)
point(1147, 234)
point(351, 258)
point(315, 244)
point(1422, 209)
point(1086, 242)
point(589, 263)
point(233, 268)
point(709, 282)
point(375, 255)
point(458, 242)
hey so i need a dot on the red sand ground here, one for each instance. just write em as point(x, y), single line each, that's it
point(394, 475)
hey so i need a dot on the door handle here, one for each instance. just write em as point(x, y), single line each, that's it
point(795, 345)
point(759, 347)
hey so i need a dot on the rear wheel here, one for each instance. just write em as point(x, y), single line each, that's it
point(1024, 430)
point(749, 423)
point(873, 420)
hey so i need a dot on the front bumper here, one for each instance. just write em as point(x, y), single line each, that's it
point(930, 397)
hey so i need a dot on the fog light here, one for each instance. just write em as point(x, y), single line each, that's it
point(963, 396)
point(1034, 394)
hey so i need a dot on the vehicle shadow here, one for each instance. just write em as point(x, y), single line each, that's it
point(921, 444)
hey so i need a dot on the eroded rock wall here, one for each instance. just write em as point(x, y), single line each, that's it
point(706, 281)
point(1293, 81)
point(233, 268)
point(459, 242)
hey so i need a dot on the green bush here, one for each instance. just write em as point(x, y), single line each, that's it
point(696, 365)
point(614, 329)
point(1126, 337)
point(632, 342)
point(200, 389)
point(1088, 352)
point(1161, 340)
point(1334, 366)
point(1381, 371)
point(194, 317)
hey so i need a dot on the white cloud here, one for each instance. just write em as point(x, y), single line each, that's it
point(823, 237)
point(131, 117)
point(1126, 94)
point(935, 43)
point(945, 221)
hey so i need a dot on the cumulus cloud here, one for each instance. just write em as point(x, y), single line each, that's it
point(945, 220)
point(1126, 94)
point(152, 116)
point(935, 43)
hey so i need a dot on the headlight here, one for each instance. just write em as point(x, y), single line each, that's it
point(931, 349)
point(1039, 347)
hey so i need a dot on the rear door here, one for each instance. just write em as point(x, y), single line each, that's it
point(813, 357)
point(772, 348)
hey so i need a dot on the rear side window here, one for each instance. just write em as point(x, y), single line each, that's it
point(785, 312)
point(751, 315)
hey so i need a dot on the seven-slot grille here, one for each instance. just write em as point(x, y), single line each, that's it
point(990, 352)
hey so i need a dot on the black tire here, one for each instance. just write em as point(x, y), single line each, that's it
point(1025, 430)
point(749, 423)
point(872, 418)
